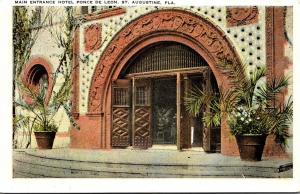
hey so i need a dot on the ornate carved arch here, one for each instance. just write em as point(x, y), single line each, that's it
point(164, 25)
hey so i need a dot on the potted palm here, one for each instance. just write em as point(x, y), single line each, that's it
point(249, 108)
point(45, 134)
point(42, 108)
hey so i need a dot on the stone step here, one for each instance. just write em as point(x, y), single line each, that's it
point(33, 170)
point(46, 167)
point(170, 167)
point(24, 174)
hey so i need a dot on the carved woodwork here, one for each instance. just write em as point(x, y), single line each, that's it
point(121, 113)
point(120, 129)
point(185, 130)
point(237, 16)
point(142, 129)
point(176, 22)
point(92, 37)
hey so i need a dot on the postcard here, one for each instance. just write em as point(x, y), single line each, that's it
point(150, 95)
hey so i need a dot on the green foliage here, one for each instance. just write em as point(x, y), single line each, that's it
point(246, 105)
point(24, 124)
point(39, 127)
point(43, 107)
point(41, 110)
point(63, 36)
point(196, 101)
point(25, 32)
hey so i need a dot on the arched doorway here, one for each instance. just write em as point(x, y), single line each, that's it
point(179, 26)
point(148, 99)
point(37, 73)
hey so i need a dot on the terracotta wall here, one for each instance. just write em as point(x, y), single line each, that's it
point(89, 135)
point(277, 63)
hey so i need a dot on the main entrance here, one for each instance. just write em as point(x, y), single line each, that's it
point(148, 100)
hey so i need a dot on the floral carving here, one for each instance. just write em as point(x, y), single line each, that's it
point(237, 16)
point(181, 23)
point(92, 37)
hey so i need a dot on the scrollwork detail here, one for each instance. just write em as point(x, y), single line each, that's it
point(163, 21)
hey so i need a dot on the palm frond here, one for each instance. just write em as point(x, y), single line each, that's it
point(62, 95)
point(235, 71)
point(196, 100)
point(278, 120)
point(257, 75)
point(272, 88)
point(228, 100)
point(278, 84)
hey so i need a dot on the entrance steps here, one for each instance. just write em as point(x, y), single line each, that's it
point(127, 163)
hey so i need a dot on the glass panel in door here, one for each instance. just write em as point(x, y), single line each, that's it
point(164, 110)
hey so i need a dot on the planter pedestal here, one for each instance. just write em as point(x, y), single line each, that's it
point(44, 139)
point(251, 146)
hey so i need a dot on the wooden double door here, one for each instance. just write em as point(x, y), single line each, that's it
point(147, 111)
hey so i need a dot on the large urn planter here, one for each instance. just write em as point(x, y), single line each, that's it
point(44, 139)
point(251, 146)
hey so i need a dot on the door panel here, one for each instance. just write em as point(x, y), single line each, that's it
point(121, 113)
point(164, 110)
point(142, 127)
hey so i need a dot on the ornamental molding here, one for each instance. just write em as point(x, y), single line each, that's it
point(92, 37)
point(270, 42)
point(238, 16)
point(206, 36)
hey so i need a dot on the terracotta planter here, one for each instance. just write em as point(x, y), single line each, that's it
point(251, 146)
point(44, 139)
